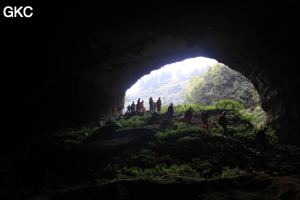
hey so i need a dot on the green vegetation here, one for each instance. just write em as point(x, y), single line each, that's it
point(167, 85)
point(182, 150)
point(220, 82)
point(256, 116)
point(216, 87)
point(159, 151)
point(229, 105)
point(202, 86)
point(179, 150)
point(134, 121)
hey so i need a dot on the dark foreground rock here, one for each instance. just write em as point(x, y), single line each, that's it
point(91, 169)
point(246, 186)
point(109, 139)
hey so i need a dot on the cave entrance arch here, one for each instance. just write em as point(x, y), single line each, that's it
point(179, 82)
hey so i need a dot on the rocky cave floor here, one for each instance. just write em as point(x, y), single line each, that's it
point(34, 171)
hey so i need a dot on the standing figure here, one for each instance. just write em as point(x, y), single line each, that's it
point(132, 107)
point(223, 122)
point(189, 115)
point(128, 109)
point(204, 119)
point(158, 103)
point(154, 106)
point(138, 104)
point(170, 111)
point(151, 103)
point(142, 106)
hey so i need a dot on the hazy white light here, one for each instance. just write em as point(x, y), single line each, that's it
point(184, 67)
point(134, 88)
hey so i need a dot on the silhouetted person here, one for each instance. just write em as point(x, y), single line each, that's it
point(189, 115)
point(260, 137)
point(170, 111)
point(138, 104)
point(142, 106)
point(132, 107)
point(128, 109)
point(204, 119)
point(158, 103)
point(151, 103)
point(154, 106)
point(223, 122)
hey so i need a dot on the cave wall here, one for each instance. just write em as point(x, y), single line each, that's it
point(82, 62)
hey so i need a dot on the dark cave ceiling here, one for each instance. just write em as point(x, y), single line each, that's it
point(69, 63)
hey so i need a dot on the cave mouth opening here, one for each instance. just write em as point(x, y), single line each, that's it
point(196, 81)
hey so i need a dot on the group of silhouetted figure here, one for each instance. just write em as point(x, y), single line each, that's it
point(156, 106)
point(139, 106)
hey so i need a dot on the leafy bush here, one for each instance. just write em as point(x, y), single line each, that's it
point(134, 121)
point(229, 105)
point(227, 172)
point(149, 158)
point(255, 116)
point(205, 167)
point(161, 170)
point(272, 137)
point(247, 134)
point(179, 132)
point(189, 139)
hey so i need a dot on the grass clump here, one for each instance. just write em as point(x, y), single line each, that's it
point(161, 171)
point(181, 131)
point(134, 121)
point(229, 105)
point(227, 172)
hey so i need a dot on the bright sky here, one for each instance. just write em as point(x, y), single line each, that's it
point(184, 66)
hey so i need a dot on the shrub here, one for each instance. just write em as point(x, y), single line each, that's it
point(205, 167)
point(271, 135)
point(179, 132)
point(189, 139)
point(227, 172)
point(247, 134)
point(229, 105)
point(134, 121)
point(255, 116)
point(161, 170)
